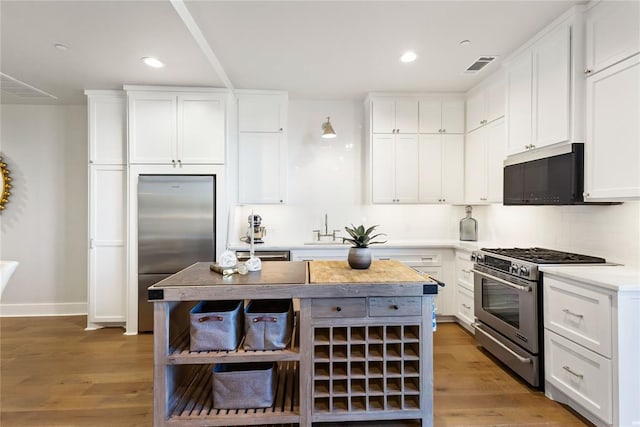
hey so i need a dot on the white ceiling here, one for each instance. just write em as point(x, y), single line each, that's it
point(313, 49)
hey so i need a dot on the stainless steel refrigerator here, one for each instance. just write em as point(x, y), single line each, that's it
point(176, 227)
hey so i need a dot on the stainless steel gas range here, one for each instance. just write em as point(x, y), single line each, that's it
point(508, 304)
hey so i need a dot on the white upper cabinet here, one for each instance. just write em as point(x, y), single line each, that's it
point(545, 88)
point(441, 115)
point(262, 147)
point(262, 112)
point(442, 168)
point(167, 127)
point(395, 169)
point(395, 115)
point(107, 127)
point(612, 33)
point(486, 103)
point(612, 149)
point(484, 156)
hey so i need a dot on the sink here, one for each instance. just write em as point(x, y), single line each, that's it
point(6, 270)
point(328, 242)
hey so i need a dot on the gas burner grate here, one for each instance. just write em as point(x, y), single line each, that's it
point(545, 256)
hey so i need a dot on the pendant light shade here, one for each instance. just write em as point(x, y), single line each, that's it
point(327, 130)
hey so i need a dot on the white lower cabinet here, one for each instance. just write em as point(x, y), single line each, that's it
point(592, 347)
point(107, 246)
point(464, 301)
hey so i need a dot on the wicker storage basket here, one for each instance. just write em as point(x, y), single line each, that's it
point(268, 324)
point(244, 385)
point(216, 325)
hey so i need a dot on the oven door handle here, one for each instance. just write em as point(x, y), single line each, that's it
point(504, 282)
point(477, 327)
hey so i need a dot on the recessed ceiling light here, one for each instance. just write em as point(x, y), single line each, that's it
point(408, 56)
point(152, 62)
point(465, 42)
point(61, 46)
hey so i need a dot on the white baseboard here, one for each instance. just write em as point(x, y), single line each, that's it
point(36, 310)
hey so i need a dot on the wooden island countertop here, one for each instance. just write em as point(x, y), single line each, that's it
point(295, 279)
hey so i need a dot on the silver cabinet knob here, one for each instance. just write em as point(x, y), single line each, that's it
point(173, 162)
point(281, 129)
point(588, 71)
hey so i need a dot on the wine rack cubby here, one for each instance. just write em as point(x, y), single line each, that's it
point(366, 368)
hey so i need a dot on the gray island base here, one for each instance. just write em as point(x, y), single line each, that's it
point(361, 350)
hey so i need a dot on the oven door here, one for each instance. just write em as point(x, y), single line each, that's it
point(508, 305)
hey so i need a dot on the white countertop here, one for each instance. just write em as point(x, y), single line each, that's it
point(390, 244)
point(614, 277)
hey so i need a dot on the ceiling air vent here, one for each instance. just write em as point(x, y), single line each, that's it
point(479, 64)
point(22, 90)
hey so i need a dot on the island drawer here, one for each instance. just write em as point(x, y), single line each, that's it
point(339, 307)
point(395, 306)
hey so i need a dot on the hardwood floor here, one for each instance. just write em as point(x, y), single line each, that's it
point(53, 373)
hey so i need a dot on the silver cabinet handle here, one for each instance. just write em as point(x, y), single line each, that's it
point(588, 71)
point(180, 162)
point(504, 282)
point(572, 372)
point(476, 326)
point(281, 129)
point(91, 244)
point(571, 313)
point(466, 306)
point(483, 198)
point(444, 131)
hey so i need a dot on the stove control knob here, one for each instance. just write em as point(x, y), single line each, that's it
point(524, 271)
point(473, 257)
point(479, 258)
point(514, 268)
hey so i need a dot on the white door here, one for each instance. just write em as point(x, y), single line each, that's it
point(430, 182)
point(612, 155)
point(452, 168)
point(519, 98)
point(152, 128)
point(383, 115)
point(407, 170)
point(476, 167)
point(406, 116)
point(261, 176)
point(496, 152)
point(495, 96)
point(476, 110)
point(552, 86)
point(107, 129)
point(383, 169)
point(107, 249)
point(201, 129)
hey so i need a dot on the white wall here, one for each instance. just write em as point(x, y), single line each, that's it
point(44, 225)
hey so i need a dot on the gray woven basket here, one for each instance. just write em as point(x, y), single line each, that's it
point(244, 385)
point(268, 324)
point(216, 325)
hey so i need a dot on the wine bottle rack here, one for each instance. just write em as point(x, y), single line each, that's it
point(366, 368)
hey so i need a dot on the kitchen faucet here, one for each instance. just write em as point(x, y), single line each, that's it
point(326, 231)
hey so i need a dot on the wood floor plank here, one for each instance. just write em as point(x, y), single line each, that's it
point(54, 373)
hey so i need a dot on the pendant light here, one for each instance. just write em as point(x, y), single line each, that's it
point(327, 130)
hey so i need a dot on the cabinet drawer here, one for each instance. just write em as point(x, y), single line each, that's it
point(582, 374)
point(389, 306)
point(339, 307)
point(580, 314)
point(464, 304)
point(464, 267)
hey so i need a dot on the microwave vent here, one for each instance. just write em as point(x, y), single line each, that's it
point(479, 64)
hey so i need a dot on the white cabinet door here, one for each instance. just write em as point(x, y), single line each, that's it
point(452, 168)
point(383, 115)
point(453, 115)
point(201, 129)
point(612, 151)
point(261, 175)
point(551, 88)
point(262, 112)
point(495, 95)
point(441, 115)
point(406, 116)
point(476, 110)
point(496, 153)
point(476, 167)
point(519, 99)
point(464, 305)
point(430, 119)
point(107, 249)
point(612, 33)
point(152, 128)
point(406, 168)
point(430, 182)
point(383, 169)
point(107, 129)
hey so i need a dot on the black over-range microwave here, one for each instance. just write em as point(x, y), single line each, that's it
point(554, 180)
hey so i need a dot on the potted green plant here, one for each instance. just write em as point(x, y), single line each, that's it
point(360, 254)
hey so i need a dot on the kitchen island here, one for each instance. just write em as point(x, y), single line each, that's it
point(361, 347)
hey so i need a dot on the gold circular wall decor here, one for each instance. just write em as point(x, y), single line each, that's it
point(6, 184)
